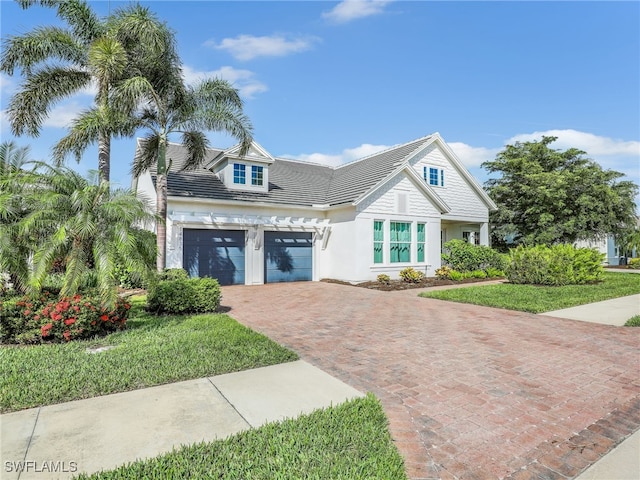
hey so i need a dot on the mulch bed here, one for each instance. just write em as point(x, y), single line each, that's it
point(394, 285)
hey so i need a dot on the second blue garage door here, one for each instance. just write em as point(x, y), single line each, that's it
point(288, 256)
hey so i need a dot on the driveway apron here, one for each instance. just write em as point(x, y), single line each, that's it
point(470, 392)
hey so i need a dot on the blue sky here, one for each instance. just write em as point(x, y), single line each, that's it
point(330, 82)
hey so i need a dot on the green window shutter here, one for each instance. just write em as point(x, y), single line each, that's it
point(378, 241)
point(421, 241)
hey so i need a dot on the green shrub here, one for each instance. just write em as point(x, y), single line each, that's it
point(633, 321)
point(173, 274)
point(384, 279)
point(557, 265)
point(478, 274)
point(193, 295)
point(456, 275)
point(411, 275)
point(443, 272)
point(634, 263)
point(466, 257)
point(494, 272)
point(46, 317)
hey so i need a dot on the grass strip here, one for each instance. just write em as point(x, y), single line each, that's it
point(350, 441)
point(152, 351)
point(538, 298)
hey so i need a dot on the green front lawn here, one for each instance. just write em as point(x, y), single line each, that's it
point(350, 442)
point(152, 351)
point(538, 299)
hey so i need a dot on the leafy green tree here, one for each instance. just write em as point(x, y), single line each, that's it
point(58, 62)
point(78, 221)
point(549, 196)
point(174, 108)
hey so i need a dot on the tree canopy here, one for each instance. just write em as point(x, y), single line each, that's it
point(548, 196)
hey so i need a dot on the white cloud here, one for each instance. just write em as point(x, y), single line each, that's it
point(243, 80)
point(347, 155)
point(246, 47)
point(615, 154)
point(594, 145)
point(62, 115)
point(7, 84)
point(472, 156)
point(353, 9)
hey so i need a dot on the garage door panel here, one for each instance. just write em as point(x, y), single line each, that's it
point(215, 253)
point(288, 256)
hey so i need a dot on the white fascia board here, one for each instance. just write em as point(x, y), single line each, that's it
point(458, 165)
point(208, 201)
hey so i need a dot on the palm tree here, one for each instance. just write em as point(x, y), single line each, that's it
point(15, 248)
point(59, 62)
point(175, 108)
point(87, 225)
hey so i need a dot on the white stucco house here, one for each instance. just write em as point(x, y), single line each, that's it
point(256, 219)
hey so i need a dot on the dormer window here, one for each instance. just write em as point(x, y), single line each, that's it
point(248, 172)
point(257, 175)
point(239, 174)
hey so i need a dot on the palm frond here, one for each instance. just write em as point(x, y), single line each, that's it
point(86, 25)
point(146, 154)
point(29, 107)
point(41, 45)
point(196, 144)
point(107, 61)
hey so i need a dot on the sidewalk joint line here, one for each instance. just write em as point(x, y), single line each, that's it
point(26, 452)
point(229, 402)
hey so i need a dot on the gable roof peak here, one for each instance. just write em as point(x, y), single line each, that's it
point(383, 152)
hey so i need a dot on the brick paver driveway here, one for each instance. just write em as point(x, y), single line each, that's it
point(470, 392)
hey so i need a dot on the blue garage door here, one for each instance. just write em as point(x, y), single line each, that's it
point(288, 256)
point(214, 253)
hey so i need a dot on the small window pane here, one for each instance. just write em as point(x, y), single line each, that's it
point(433, 176)
point(239, 173)
point(400, 242)
point(256, 175)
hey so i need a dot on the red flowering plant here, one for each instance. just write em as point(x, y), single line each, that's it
point(80, 317)
point(20, 318)
point(62, 319)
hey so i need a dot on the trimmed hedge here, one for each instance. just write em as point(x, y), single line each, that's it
point(466, 257)
point(194, 295)
point(557, 265)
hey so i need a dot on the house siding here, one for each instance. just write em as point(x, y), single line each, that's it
point(463, 201)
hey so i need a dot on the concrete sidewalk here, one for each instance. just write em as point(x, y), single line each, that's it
point(104, 432)
point(609, 312)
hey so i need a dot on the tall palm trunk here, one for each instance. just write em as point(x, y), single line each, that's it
point(161, 206)
point(104, 157)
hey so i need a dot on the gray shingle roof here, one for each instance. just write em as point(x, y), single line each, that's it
point(292, 182)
